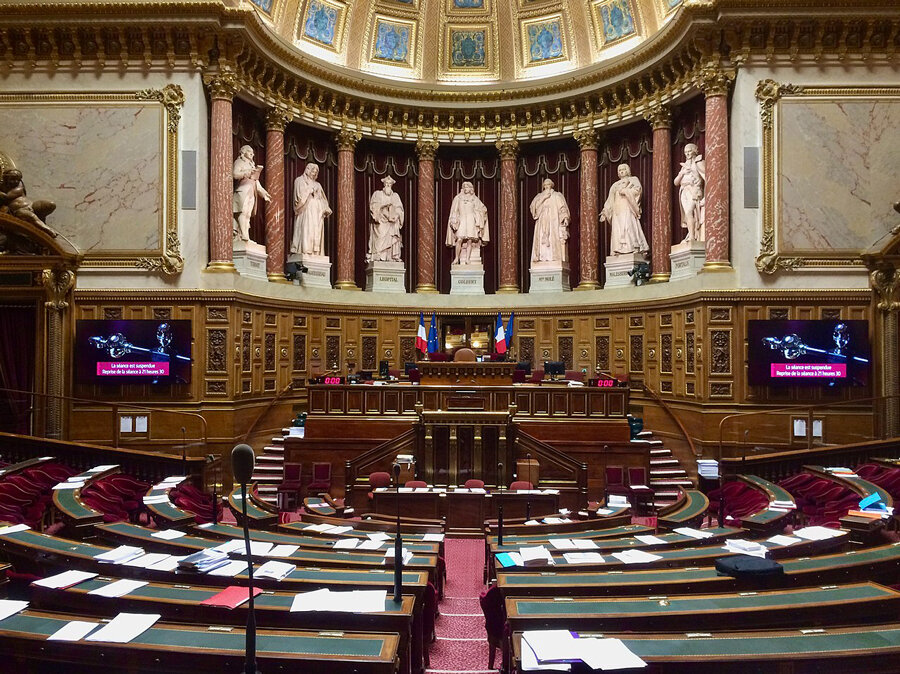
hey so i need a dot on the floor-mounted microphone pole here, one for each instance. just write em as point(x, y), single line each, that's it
point(500, 507)
point(242, 460)
point(398, 543)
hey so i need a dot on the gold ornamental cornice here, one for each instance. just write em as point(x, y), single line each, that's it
point(509, 149)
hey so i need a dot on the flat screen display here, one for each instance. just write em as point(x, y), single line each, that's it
point(821, 352)
point(133, 351)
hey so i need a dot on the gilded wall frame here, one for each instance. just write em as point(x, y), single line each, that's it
point(840, 167)
point(165, 255)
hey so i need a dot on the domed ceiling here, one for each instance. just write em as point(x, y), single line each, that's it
point(475, 42)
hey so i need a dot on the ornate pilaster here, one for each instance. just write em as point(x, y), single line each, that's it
point(346, 234)
point(57, 283)
point(714, 81)
point(587, 141)
point(427, 150)
point(276, 120)
point(222, 88)
point(660, 118)
point(509, 232)
point(885, 279)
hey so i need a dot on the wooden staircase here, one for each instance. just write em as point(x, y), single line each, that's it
point(666, 473)
point(269, 470)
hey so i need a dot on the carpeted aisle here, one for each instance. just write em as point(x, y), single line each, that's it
point(461, 646)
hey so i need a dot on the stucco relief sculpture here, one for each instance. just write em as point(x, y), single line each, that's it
point(387, 221)
point(13, 200)
point(310, 210)
point(467, 228)
point(551, 225)
point(691, 180)
point(243, 203)
point(622, 211)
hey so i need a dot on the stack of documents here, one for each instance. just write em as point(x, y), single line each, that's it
point(274, 570)
point(230, 568)
point(156, 498)
point(64, 580)
point(649, 540)
point(168, 534)
point(170, 482)
point(509, 559)
point(840, 470)
point(818, 533)
point(562, 543)
point(583, 557)
point(743, 547)
point(354, 601)
point(616, 500)
point(103, 468)
point(693, 533)
point(231, 597)
point(120, 555)
point(124, 628)
point(10, 607)
point(433, 538)
point(584, 544)
point(536, 555)
point(204, 561)
point(541, 648)
point(781, 539)
point(389, 557)
point(328, 529)
point(635, 556)
point(346, 544)
point(556, 520)
point(708, 468)
point(118, 588)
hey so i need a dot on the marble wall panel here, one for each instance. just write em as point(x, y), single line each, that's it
point(103, 165)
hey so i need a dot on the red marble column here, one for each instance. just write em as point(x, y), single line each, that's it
point(587, 141)
point(222, 88)
point(509, 232)
point(714, 83)
point(660, 117)
point(426, 262)
point(276, 120)
point(346, 238)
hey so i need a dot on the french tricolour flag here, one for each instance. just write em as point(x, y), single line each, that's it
point(422, 336)
point(500, 336)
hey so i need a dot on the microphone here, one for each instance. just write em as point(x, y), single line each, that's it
point(395, 469)
point(242, 462)
point(398, 542)
point(500, 479)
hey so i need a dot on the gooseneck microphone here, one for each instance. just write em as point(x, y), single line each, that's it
point(242, 462)
point(398, 542)
point(500, 506)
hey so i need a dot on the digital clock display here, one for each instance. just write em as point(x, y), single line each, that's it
point(331, 381)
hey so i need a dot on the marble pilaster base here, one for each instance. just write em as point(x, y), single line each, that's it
point(318, 274)
point(385, 277)
point(687, 259)
point(467, 279)
point(250, 259)
point(549, 277)
point(618, 266)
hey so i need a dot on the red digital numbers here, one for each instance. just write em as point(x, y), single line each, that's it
point(332, 380)
point(606, 382)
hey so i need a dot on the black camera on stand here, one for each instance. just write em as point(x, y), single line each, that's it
point(292, 270)
point(640, 274)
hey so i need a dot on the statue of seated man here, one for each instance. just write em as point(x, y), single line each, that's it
point(14, 201)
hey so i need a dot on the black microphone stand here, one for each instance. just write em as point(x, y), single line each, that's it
point(500, 507)
point(250, 661)
point(398, 543)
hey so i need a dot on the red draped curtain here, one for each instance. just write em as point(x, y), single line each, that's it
point(17, 363)
point(248, 128)
point(688, 126)
point(373, 161)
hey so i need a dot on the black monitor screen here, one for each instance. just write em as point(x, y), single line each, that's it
point(829, 352)
point(132, 351)
point(384, 369)
point(524, 365)
point(409, 366)
point(554, 368)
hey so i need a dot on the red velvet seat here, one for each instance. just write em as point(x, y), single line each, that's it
point(289, 490)
point(474, 484)
point(321, 477)
point(494, 610)
point(377, 480)
point(520, 485)
point(416, 484)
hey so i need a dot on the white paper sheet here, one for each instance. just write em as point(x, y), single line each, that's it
point(14, 529)
point(119, 555)
point(65, 579)
point(530, 662)
point(148, 560)
point(170, 563)
point(818, 533)
point(551, 645)
point(68, 485)
point(607, 654)
point(118, 588)
point(433, 538)
point(562, 543)
point(368, 601)
point(584, 544)
point(274, 570)
point(74, 630)
point(105, 467)
point(370, 545)
point(169, 534)
point(234, 545)
point(283, 550)
point(346, 544)
point(378, 536)
point(650, 540)
point(317, 600)
point(158, 498)
point(124, 627)
point(337, 531)
point(583, 557)
point(693, 533)
point(230, 570)
point(10, 607)
point(635, 556)
point(781, 539)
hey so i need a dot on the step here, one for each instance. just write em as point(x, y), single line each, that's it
point(273, 449)
point(669, 461)
point(672, 482)
point(278, 440)
point(268, 468)
point(271, 481)
point(267, 489)
point(270, 459)
point(672, 472)
point(660, 451)
point(645, 434)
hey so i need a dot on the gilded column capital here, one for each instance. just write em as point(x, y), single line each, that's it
point(587, 139)
point(885, 279)
point(659, 116)
point(221, 85)
point(426, 149)
point(277, 119)
point(713, 79)
point(57, 282)
point(347, 139)
point(509, 149)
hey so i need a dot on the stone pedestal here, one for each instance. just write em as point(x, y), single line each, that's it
point(548, 277)
point(618, 266)
point(250, 259)
point(385, 277)
point(687, 259)
point(467, 279)
point(318, 270)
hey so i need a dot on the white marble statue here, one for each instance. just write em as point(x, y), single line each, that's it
point(243, 202)
point(692, 181)
point(310, 210)
point(551, 225)
point(622, 211)
point(467, 228)
point(387, 220)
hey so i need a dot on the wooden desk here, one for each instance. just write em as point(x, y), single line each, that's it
point(421, 505)
point(478, 374)
point(517, 503)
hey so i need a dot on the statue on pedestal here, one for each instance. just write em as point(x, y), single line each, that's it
point(243, 203)
point(467, 228)
point(551, 225)
point(692, 179)
point(14, 201)
point(622, 211)
point(310, 210)
point(387, 220)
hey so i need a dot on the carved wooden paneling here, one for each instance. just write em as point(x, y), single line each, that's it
point(665, 386)
point(246, 386)
point(665, 320)
point(246, 337)
point(831, 313)
point(720, 341)
point(270, 319)
point(636, 321)
point(636, 352)
point(408, 349)
point(333, 322)
point(369, 352)
point(299, 356)
point(720, 389)
point(247, 316)
point(216, 387)
point(564, 324)
point(689, 352)
point(719, 314)
point(407, 325)
point(299, 321)
point(601, 323)
point(689, 388)
point(689, 317)
point(217, 314)
point(216, 353)
point(601, 344)
point(526, 349)
point(779, 313)
point(369, 324)
point(112, 313)
point(665, 356)
point(526, 324)
point(269, 353)
point(333, 351)
point(268, 385)
point(162, 313)
point(565, 345)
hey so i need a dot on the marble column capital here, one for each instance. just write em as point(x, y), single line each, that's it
point(659, 116)
point(587, 139)
point(509, 149)
point(277, 118)
point(713, 79)
point(347, 139)
point(221, 85)
point(426, 149)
